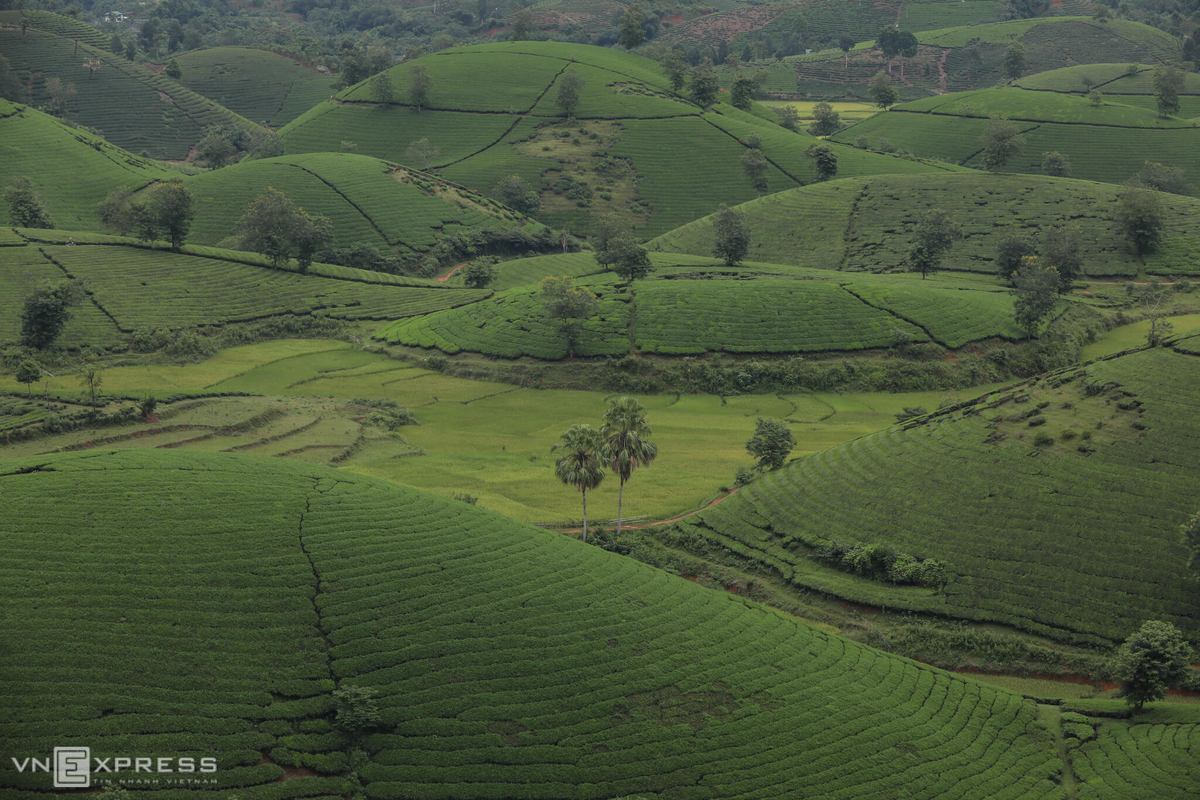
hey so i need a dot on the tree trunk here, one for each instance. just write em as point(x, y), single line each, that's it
point(584, 515)
point(620, 499)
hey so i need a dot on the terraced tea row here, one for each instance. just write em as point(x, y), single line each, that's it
point(1076, 490)
point(508, 661)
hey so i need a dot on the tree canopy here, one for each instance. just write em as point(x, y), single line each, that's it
point(1149, 662)
point(582, 463)
point(733, 237)
point(628, 446)
point(276, 227)
point(771, 443)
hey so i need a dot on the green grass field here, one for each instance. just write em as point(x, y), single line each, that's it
point(465, 624)
point(368, 200)
point(623, 142)
point(866, 224)
point(135, 108)
point(71, 168)
point(262, 86)
point(1056, 506)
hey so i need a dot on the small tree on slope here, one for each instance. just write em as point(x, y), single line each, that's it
point(1149, 661)
point(582, 462)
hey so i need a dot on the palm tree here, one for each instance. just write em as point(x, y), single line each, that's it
point(583, 464)
point(626, 434)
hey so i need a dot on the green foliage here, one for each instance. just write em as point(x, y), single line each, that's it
point(568, 305)
point(789, 117)
point(28, 372)
point(1037, 286)
point(630, 33)
point(1002, 140)
point(1168, 83)
point(1061, 248)
point(883, 94)
point(1191, 541)
point(570, 85)
point(755, 165)
point(582, 463)
point(745, 87)
point(828, 121)
point(518, 194)
point(26, 207)
point(45, 312)
point(771, 443)
point(479, 273)
point(1149, 661)
point(627, 446)
point(732, 236)
point(381, 88)
point(825, 160)
point(1009, 253)
point(276, 227)
point(1015, 61)
point(1139, 214)
point(629, 259)
point(911, 412)
point(173, 70)
point(935, 233)
point(704, 84)
point(358, 711)
point(1056, 164)
point(165, 211)
point(420, 86)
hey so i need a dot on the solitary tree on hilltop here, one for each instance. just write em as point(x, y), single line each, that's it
point(1151, 660)
point(935, 234)
point(582, 463)
point(732, 235)
point(381, 89)
point(628, 446)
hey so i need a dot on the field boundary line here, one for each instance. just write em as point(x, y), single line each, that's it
point(353, 205)
point(1037, 123)
point(739, 141)
point(88, 292)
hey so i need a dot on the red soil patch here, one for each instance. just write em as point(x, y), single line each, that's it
point(446, 277)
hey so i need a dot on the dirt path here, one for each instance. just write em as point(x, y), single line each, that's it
point(448, 275)
point(665, 521)
point(942, 71)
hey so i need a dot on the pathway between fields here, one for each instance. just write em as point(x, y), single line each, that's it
point(664, 521)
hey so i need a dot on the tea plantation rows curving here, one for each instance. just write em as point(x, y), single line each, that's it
point(1074, 536)
point(508, 661)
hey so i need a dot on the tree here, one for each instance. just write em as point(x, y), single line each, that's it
point(11, 87)
point(675, 68)
point(1061, 249)
point(567, 304)
point(29, 373)
point(789, 117)
point(421, 154)
point(420, 84)
point(518, 194)
point(92, 65)
point(274, 226)
point(846, 44)
point(479, 273)
point(26, 208)
point(771, 443)
point(59, 94)
point(630, 33)
point(1014, 61)
point(882, 93)
point(131, 50)
point(1056, 164)
point(607, 229)
point(755, 165)
point(170, 207)
point(1191, 541)
point(1036, 293)
point(45, 312)
point(570, 85)
point(381, 88)
point(627, 437)
point(522, 25)
point(1140, 215)
point(887, 42)
point(1009, 253)
point(173, 70)
point(1150, 660)
point(936, 233)
point(732, 235)
point(1096, 98)
point(705, 84)
point(91, 379)
point(1168, 83)
point(909, 46)
point(215, 151)
point(630, 260)
point(357, 711)
point(1001, 140)
point(1151, 297)
point(824, 159)
point(1163, 178)
point(828, 121)
point(582, 462)
point(116, 45)
point(742, 94)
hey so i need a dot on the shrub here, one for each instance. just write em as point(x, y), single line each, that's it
point(1036, 421)
point(1043, 439)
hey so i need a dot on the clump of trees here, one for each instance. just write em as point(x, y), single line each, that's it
point(568, 305)
point(883, 94)
point(165, 211)
point(1036, 293)
point(26, 206)
point(518, 194)
point(280, 230)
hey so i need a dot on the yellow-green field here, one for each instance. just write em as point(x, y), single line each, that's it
point(493, 440)
point(1133, 335)
point(849, 112)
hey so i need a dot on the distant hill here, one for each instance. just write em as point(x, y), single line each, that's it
point(130, 287)
point(506, 661)
point(369, 201)
point(1118, 83)
point(866, 224)
point(1106, 143)
point(634, 148)
point(971, 57)
point(72, 168)
point(134, 107)
point(262, 86)
point(1055, 503)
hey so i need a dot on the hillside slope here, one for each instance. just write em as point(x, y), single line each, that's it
point(1056, 504)
point(508, 661)
point(866, 224)
point(369, 201)
point(73, 169)
point(632, 148)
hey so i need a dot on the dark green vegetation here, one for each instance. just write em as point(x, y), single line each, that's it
point(72, 169)
point(867, 224)
point(1056, 504)
point(369, 201)
point(633, 147)
point(131, 106)
point(198, 287)
point(1107, 142)
point(972, 56)
point(466, 625)
point(262, 86)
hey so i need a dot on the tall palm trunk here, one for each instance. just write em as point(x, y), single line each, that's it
point(620, 498)
point(584, 515)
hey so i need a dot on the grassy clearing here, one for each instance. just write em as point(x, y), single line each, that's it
point(260, 85)
point(1070, 488)
point(866, 224)
point(1133, 335)
point(73, 169)
point(675, 676)
point(849, 112)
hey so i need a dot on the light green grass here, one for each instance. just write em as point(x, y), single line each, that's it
point(1133, 335)
point(1025, 105)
